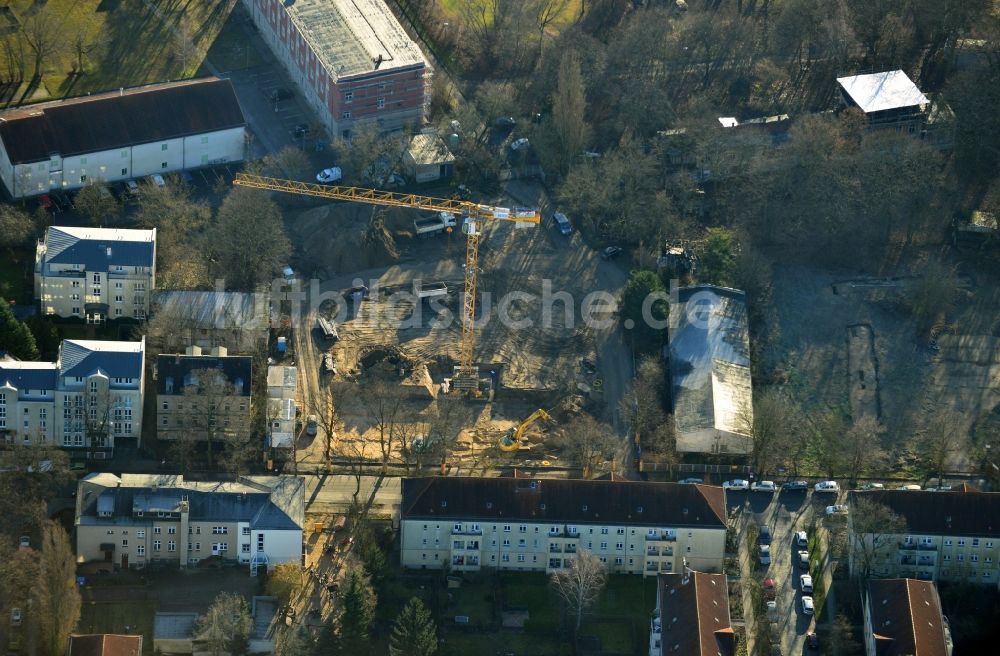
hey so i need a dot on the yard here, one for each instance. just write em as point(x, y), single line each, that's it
point(132, 617)
point(120, 43)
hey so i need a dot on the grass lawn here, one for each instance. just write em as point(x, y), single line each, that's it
point(124, 42)
point(453, 9)
point(102, 617)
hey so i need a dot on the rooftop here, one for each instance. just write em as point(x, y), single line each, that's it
point(105, 644)
point(709, 364)
point(560, 501)
point(214, 310)
point(281, 377)
point(98, 249)
point(172, 371)
point(29, 375)
point(265, 502)
point(878, 92)
point(350, 36)
point(694, 615)
point(173, 626)
point(966, 513)
point(429, 149)
point(906, 618)
point(119, 119)
point(85, 357)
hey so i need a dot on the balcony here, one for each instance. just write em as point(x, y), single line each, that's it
point(660, 537)
point(924, 560)
point(908, 560)
point(571, 548)
point(472, 545)
point(466, 531)
point(911, 546)
point(555, 548)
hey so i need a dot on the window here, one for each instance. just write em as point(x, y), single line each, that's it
point(619, 560)
point(246, 530)
point(604, 531)
point(83, 179)
point(975, 542)
point(119, 299)
point(140, 550)
point(346, 115)
point(989, 545)
point(961, 542)
point(961, 557)
point(522, 528)
point(171, 530)
point(506, 528)
point(505, 558)
point(380, 103)
point(156, 530)
point(619, 546)
point(204, 140)
point(947, 542)
point(506, 542)
point(947, 557)
point(245, 548)
point(458, 527)
point(124, 171)
point(348, 97)
point(124, 542)
point(604, 546)
point(156, 545)
point(163, 165)
point(974, 558)
point(520, 557)
point(171, 545)
point(621, 531)
point(521, 542)
point(220, 530)
point(141, 533)
point(163, 146)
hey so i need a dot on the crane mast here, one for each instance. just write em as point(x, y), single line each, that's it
point(474, 216)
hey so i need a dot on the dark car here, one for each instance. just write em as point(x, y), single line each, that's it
point(764, 535)
point(795, 485)
point(611, 252)
point(281, 93)
point(812, 641)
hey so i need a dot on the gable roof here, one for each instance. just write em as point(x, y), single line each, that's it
point(85, 357)
point(877, 92)
point(709, 361)
point(940, 513)
point(561, 500)
point(119, 119)
point(98, 249)
point(29, 375)
point(235, 368)
point(694, 615)
point(105, 644)
point(906, 618)
point(214, 310)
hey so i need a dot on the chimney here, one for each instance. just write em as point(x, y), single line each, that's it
point(192, 350)
point(220, 351)
point(378, 61)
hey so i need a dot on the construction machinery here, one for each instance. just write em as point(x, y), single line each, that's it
point(512, 440)
point(474, 217)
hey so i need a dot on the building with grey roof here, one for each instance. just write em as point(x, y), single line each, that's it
point(282, 389)
point(351, 59)
point(123, 134)
point(709, 353)
point(95, 274)
point(891, 101)
point(236, 320)
point(85, 400)
point(137, 519)
point(203, 396)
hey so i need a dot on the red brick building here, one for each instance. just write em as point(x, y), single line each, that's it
point(351, 60)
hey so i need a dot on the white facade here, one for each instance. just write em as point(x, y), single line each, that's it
point(282, 383)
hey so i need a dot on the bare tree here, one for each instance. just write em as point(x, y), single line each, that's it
point(935, 446)
point(593, 446)
point(19, 576)
point(97, 204)
point(286, 581)
point(383, 403)
point(225, 627)
point(772, 429)
point(569, 111)
point(932, 294)
point(57, 598)
point(248, 241)
point(324, 406)
point(44, 34)
point(580, 584)
point(370, 155)
point(354, 452)
point(210, 397)
point(15, 57)
point(16, 227)
point(873, 528)
point(863, 448)
point(642, 404)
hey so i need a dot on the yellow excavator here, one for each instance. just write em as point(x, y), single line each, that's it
point(512, 440)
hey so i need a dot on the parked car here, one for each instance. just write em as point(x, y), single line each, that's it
point(765, 555)
point(611, 252)
point(812, 641)
point(132, 188)
point(763, 535)
point(804, 560)
point(505, 122)
point(330, 175)
point(281, 93)
point(764, 486)
point(769, 591)
point(562, 222)
point(158, 180)
point(691, 481)
point(911, 487)
point(772, 609)
point(736, 484)
point(873, 486)
point(839, 509)
point(520, 144)
point(807, 605)
point(827, 486)
point(311, 425)
point(24, 542)
point(806, 583)
point(801, 539)
point(329, 366)
point(795, 486)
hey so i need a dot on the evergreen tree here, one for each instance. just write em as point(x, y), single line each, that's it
point(358, 612)
point(15, 338)
point(414, 633)
point(375, 562)
point(644, 310)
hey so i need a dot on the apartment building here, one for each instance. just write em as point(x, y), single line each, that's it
point(351, 60)
point(130, 133)
point(87, 399)
point(197, 393)
point(95, 274)
point(903, 617)
point(236, 320)
point(691, 616)
point(539, 525)
point(950, 536)
point(137, 520)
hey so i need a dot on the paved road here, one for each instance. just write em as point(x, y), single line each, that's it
point(326, 492)
point(784, 514)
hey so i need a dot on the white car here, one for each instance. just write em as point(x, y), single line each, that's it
point(912, 487)
point(520, 144)
point(15, 617)
point(827, 486)
point(158, 180)
point(690, 481)
point(873, 486)
point(806, 583)
point(332, 174)
point(24, 542)
point(801, 539)
point(772, 608)
point(807, 605)
point(764, 486)
point(132, 188)
point(803, 560)
point(765, 555)
point(736, 484)
point(839, 509)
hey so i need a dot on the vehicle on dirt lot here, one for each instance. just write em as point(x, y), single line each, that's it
point(158, 180)
point(429, 225)
point(329, 366)
point(765, 555)
point(132, 188)
point(311, 425)
point(827, 486)
point(801, 539)
point(794, 486)
point(330, 175)
point(520, 144)
point(562, 222)
point(769, 591)
point(763, 486)
point(611, 252)
point(804, 560)
point(806, 583)
point(839, 509)
point(763, 535)
point(807, 605)
point(873, 486)
point(24, 542)
point(736, 484)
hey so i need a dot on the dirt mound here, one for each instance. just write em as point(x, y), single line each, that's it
point(346, 237)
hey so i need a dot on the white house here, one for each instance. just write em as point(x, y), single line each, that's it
point(282, 383)
point(160, 128)
point(90, 396)
point(95, 273)
point(527, 524)
point(137, 519)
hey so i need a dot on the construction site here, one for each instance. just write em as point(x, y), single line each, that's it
point(396, 299)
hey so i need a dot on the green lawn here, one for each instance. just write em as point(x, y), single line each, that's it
point(104, 617)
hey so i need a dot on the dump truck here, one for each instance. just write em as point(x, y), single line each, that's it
point(433, 224)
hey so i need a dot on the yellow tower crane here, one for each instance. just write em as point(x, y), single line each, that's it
point(474, 217)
